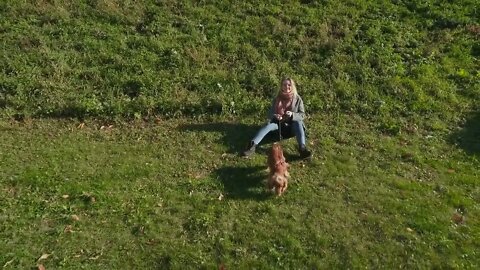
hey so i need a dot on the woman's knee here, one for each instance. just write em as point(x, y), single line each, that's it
point(269, 127)
point(297, 124)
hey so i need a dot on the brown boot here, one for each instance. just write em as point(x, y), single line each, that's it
point(304, 152)
point(250, 150)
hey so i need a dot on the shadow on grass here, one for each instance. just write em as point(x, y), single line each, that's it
point(234, 136)
point(468, 138)
point(243, 182)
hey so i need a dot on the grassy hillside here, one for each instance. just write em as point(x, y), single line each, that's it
point(133, 59)
point(121, 124)
point(177, 196)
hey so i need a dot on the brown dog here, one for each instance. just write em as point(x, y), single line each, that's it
point(278, 176)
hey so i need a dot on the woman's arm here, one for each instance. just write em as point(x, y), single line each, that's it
point(271, 113)
point(298, 110)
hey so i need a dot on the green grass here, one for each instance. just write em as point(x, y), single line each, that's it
point(121, 124)
point(126, 59)
point(146, 200)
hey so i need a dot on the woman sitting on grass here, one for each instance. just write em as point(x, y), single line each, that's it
point(288, 111)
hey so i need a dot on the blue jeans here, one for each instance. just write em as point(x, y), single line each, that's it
point(297, 129)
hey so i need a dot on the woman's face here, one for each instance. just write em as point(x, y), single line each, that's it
point(286, 86)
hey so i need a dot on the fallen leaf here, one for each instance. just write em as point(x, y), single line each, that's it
point(66, 196)
point(458, 218)
point(409, 230)
point(7, 263)
point(152, 242)
point(40, 267)
point(81, 125)
point(88, 198)
point(220, 197)
point(68, 229)
point(450, 170)
point(43, 257)
point(75, 218)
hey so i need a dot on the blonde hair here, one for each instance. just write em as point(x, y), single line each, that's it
point(294, 87)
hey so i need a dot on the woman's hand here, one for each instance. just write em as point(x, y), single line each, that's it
point(278, 117)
